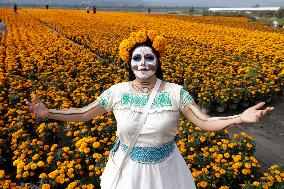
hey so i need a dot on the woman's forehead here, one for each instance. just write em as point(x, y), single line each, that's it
point(143, 50)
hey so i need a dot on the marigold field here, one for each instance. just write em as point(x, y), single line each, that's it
point(220, 61)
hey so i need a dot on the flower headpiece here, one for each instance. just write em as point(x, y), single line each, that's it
point(158, 42)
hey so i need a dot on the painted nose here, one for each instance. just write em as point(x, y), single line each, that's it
point(142, 61)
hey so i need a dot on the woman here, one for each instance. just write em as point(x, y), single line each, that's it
point(3, 30)
point(154, 162)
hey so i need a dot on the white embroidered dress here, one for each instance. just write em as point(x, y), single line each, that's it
point(159, 128)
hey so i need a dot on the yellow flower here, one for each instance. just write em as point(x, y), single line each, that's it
point(218, 175)
point(35, 157)
point(45, 186)
point(246, 171)
point(255, 183)
point(205, 154)
point(133, 35)
point(202, 139)
point(159, 44)
point(42, 175)
point(231, 145)
point(247, 165)
point(211, 149)
point(87, 150)
point(141, 37)
point(236, 136)
point(40, 164)
point(237, 158)
point(91, 174)
point(69, 134)
point(91, 167)
point(72, 185)
point(96, 144)
point(49, 159)
point(33, 166)
point(224, 187)
point(66, 149)
point(203, 184)
point(2, 173)
point(278, 178)
point(222, 171)
point(25, 174)
point(249, 145)
point(226, 155)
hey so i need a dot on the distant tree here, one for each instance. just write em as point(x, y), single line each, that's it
point(280, 13)
point(256, 6)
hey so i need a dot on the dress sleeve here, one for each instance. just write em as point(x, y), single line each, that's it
point(106, 99)
point(185, 99)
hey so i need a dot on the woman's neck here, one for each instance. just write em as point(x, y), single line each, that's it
point(145, 85)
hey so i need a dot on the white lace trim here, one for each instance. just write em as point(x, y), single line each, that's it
point(140, 110)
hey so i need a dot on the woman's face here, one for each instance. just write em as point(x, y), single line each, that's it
point(143, 62)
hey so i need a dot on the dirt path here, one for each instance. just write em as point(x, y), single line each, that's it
point(268, 133)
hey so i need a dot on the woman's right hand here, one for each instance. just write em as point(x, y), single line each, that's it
point(38, 108)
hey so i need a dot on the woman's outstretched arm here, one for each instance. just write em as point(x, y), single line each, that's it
point(70, 115)
point(194, 114)
point(77, 114)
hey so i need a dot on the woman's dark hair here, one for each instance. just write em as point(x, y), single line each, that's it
point(158, 73)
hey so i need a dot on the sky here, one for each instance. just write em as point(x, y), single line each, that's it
point(181, 3)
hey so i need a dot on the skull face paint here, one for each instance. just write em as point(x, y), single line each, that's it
point(143, 62)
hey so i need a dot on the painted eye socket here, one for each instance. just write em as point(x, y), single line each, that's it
point(149, 57)
point(137, 57)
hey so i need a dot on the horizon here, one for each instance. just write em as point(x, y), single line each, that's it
point(149, 3)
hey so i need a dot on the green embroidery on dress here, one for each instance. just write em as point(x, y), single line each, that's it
point(185, 98)
point(103, 103)
point(140, 100)
point(104, 98)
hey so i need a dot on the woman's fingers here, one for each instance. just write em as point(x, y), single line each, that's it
point(254, 115)
point(266, 110)
point(262, 113)
point(27, 102)
point(270, 108)
point(36, 99)
point(259, 105)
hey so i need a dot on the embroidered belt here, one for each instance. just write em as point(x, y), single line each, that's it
point(147, 155)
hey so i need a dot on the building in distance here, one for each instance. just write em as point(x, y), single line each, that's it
point(255, 9)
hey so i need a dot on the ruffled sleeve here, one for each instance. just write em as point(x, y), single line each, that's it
point(185, 98)
point(106, 99)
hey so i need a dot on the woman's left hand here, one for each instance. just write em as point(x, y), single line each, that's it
point(253, 115)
